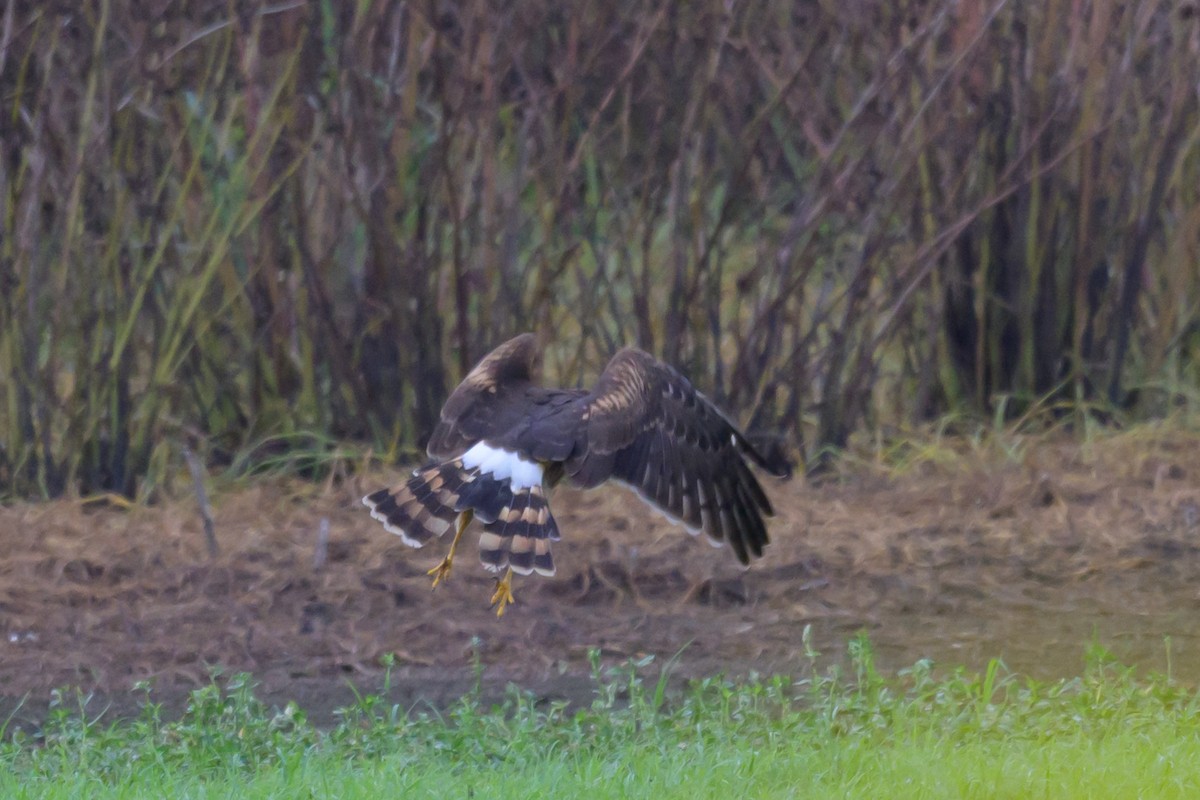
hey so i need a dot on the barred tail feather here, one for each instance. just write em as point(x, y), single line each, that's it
point(499, 488)
point(520, 535)
point(423, 507)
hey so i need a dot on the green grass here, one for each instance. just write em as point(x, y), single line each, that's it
point(1106, 733)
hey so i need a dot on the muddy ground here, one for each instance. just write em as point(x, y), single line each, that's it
point(1025, 552)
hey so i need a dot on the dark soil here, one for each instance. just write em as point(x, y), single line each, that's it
point(960, 557)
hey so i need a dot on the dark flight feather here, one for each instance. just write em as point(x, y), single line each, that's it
point(645, 425)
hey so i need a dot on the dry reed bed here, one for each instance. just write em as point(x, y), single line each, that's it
point(236, 222)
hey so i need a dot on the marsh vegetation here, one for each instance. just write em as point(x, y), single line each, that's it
point(259, 229)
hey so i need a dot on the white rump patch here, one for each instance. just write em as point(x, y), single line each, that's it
point(504, 465)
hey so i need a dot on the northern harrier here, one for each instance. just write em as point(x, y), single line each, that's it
point(503, 441)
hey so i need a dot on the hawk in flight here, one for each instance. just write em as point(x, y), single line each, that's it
point(503, 442)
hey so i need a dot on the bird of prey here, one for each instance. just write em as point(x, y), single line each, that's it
point(503, 441)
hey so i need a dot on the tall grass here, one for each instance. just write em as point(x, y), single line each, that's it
point(244, 221)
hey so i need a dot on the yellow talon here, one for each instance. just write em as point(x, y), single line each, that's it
point(442, 571)
point(503, 595)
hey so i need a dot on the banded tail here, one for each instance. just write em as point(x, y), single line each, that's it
point(502, 489)
point(423, 507)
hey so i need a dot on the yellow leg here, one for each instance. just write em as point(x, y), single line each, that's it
point(503, 595)
point(442, 571)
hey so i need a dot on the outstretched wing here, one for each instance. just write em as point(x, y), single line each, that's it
point(645, 425)
point(490, 401)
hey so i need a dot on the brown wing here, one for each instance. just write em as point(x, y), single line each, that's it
point(645, 425)
point(490, 401)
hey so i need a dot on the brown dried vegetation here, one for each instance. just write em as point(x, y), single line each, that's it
point(223, 222)
point(964, 557)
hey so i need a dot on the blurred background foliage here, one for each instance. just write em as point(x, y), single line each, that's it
point(243, 226)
